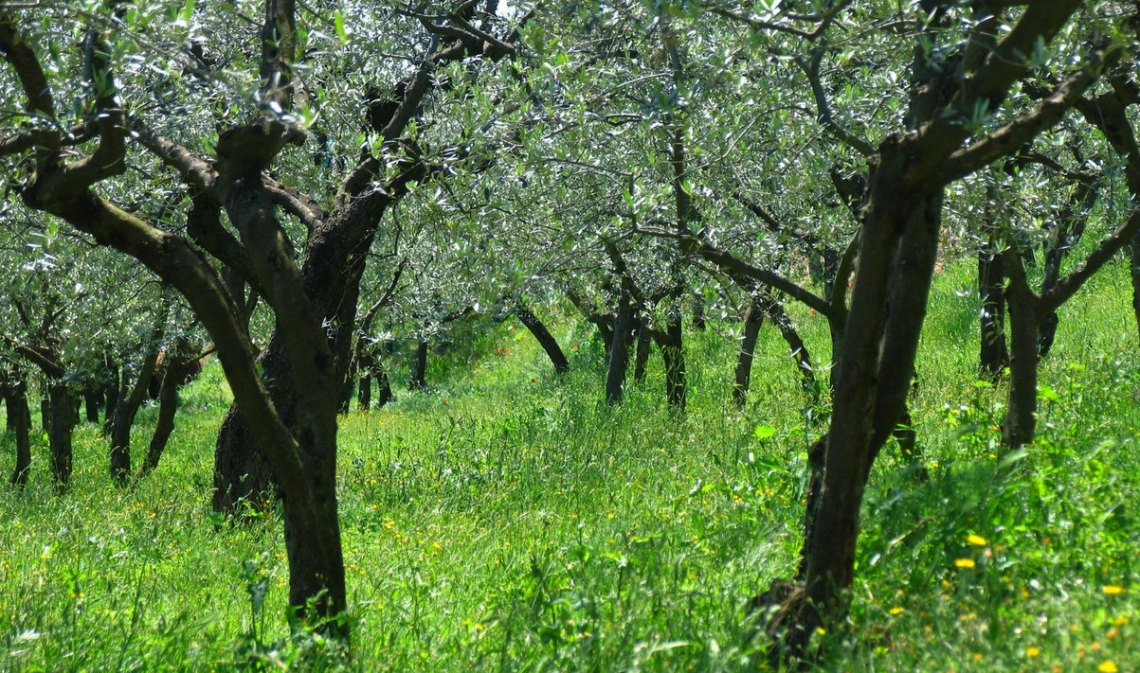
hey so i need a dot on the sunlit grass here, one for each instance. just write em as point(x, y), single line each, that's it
point(507, 520)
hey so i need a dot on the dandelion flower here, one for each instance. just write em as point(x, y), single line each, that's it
point(1032, 652)
point(1114, 590)
point(964, 563)
point(896, 611)
point(976, 540)
point(1108, 667)
point(821, 631)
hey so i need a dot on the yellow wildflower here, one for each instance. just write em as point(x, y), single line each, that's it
point(1114, 590)
point(1108, 667)
point(976, 540)
point(964, 563)
point(896, 611)
point(1032, 652)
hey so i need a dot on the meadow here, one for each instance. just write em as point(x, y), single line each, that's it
point(505, 520)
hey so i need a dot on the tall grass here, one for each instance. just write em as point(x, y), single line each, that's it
point(505, 520)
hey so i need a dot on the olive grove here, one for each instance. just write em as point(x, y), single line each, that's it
point(316, 180)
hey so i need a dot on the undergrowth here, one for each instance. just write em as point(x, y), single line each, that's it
point(506, 520)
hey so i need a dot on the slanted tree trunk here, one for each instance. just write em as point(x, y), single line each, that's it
point(125, 412)
point(619, 350)
point(753, 321)
point(1109, 113)
point(545, 339)
point(796, 345)
point(177, 365)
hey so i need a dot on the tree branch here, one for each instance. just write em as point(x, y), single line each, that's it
point(1068, 286)
point(1016, 133)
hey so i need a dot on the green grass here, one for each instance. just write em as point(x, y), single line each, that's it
point(504, 520)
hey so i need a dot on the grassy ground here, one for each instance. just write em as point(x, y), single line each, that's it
point(505, 521)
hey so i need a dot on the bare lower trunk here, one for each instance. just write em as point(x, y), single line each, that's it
point(176, 368)
point(124, 420)
point(111, 395)
point(644, 345)
point(418, 380)
point(673, 354)
point(62, 421)
point(384, 393)
point(619, 351)
point(898, 246)
point(364, 392)
point(347, 389)
point(753, 320)
point(19, 423)
point(317, 593)
point(242, 477)
point(993, 357)
point(92, 400)
point(1021, 412)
